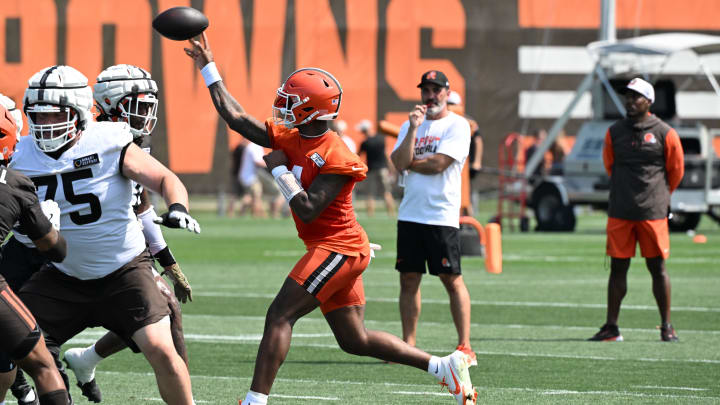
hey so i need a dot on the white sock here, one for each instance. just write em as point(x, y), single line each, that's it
point(434, 366)
point(90, 356)
point(30, 397)
point(255, 398)
point(85, 363)
point(2, 403)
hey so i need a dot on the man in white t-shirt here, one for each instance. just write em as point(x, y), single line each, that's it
point(257, 180)
point(430, 152)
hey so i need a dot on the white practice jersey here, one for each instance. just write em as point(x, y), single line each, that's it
point(97, 219)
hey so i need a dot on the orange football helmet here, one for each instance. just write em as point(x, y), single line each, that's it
point(307, 94)
point(8, 137)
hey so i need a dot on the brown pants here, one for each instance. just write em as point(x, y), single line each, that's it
point(19, 329)
point(124, 301)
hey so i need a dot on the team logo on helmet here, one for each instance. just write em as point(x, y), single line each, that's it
point(8, 130)
point(9, 104)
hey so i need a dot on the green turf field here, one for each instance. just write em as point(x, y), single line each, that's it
point(529, 324)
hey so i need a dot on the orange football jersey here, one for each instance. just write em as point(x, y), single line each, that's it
point(336, 228)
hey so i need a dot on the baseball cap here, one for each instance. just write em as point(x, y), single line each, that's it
point(644, 88)
point(434, 77)
point(454, 98)
point(364, 125)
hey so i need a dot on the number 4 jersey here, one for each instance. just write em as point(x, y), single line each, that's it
point(94, 197)
point(336, 228)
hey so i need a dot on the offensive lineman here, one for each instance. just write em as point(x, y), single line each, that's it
point(127, 93)
point(319, 191)
point(88, 168)
point(21, 338)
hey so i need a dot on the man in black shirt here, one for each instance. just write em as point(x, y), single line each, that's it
point(22, 341)
point(378, 175)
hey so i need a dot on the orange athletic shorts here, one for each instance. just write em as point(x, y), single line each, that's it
point(624, 234)
point(333, 278)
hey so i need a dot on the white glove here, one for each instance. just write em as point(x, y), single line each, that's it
point(178, 217)
point(52, 211)
point(373, 248)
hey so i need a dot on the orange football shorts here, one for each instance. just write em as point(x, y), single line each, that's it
point(624, 234)
point(333, 278)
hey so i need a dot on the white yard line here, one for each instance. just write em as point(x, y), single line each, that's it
point(89, 337)
point(230, 319)
point(517, 257)
point(434, 394)
point(655, 387)
point(422, 388)
point(476, 302)
point(305, 397)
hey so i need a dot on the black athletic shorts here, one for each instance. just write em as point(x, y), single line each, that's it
point(20, 331)
point(435, 245)
point(124, 301)
point(19, 263)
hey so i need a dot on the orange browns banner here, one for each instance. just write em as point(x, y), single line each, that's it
point(376, 48)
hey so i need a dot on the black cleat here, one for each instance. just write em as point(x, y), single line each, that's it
point(608, 333)
point(21, 396)
point(20, 390)
point(667, 333)
point(91, 391)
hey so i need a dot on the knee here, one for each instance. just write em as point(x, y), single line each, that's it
point(453, 283)
point(159, 353)
point(410, 282)
point(658, 273)
point(277, 317)
point(353, 344)
point(36, 365)
point(656, 267)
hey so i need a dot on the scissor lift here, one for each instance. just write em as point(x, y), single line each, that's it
point(512, 183)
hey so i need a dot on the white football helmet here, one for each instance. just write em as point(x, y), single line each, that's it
point(57, 89)
point(128, 93)
point(9, 105)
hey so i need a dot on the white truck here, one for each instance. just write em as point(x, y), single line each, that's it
point(583, 179)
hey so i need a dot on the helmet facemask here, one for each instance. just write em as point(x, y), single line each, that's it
point(54, 135)
point(140, 112)
point(283, 108)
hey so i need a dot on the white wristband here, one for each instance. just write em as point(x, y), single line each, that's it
point(278, 170)
point(287, 182)
point(210, 73)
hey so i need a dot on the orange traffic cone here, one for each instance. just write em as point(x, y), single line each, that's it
point(493, 246)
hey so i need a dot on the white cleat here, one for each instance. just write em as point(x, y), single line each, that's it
point(83, 372)
point(454, 375)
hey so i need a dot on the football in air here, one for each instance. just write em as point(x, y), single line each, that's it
point(180, 23)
